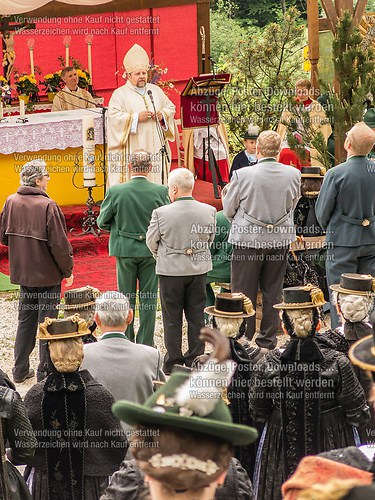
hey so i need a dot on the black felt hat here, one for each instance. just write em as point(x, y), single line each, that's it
point(362, 353)
point(313, 172)
point(67, 328)
point(231, 305)
point(355, 284)
point(301, 297)
point(80, 298)
point(252, 132)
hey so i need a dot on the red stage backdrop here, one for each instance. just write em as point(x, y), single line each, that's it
point(168, 33)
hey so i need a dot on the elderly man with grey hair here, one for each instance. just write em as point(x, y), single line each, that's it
point(126, 213)
point(126, 369)
point(40, 256)
point(179, 237)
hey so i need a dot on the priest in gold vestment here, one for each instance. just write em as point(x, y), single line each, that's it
point(132, 124)
point(72, 96)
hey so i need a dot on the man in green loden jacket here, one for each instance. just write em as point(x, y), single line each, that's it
point(221, 252)
point(126, 213)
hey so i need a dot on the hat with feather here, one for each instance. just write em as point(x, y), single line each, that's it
point(252, 132)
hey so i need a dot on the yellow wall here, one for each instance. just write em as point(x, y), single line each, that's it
point(60, 164)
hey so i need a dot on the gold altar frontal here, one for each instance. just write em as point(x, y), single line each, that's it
point(56, 138)
point(61, 165)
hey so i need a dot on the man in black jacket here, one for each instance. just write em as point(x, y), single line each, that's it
point(40, 256)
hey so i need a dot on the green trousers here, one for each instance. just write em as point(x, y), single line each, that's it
point(131, 270)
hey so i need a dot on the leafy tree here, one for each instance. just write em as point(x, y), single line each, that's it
point(225, 31)
point(262, 12)
point(264, 69)
point(355, 70)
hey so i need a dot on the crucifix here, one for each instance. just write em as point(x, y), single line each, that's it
point(333, 10)
point(7, 31)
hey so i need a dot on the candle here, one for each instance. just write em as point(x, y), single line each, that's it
point(22, 108)
point(88, 40)
point(30, 44)
point(66, 42)
point(1, 111)
point(88, 143)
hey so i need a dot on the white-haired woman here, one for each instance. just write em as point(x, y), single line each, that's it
point(308, 396)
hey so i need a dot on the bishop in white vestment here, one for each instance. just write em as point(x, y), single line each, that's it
point(132, 124)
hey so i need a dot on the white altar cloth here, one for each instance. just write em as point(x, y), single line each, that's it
point(57, 130)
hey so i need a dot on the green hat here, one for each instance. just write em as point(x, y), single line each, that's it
point(369, 118)
point(162, 409)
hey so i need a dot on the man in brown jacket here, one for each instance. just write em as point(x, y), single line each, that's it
point(40, 256)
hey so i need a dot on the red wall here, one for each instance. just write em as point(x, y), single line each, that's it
point(174, 43)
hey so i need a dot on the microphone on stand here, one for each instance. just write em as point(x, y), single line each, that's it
point(163, 149)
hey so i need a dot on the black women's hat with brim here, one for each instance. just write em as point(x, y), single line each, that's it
point(355, 284)
point(59, 329)
point(313, 172)
point(162, 409)
point(301, 297)
point(231, 305)
point(362, 353)
point(80, 298)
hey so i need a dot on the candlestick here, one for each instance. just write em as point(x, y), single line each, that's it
point(22, 108)
point(88, 40)
point(88, 142)
point(30, 44)
point(1, 111)
point(66, 42)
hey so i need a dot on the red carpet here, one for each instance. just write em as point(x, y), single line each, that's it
point(92, 265)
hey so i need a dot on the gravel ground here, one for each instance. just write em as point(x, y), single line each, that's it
point(8, 326)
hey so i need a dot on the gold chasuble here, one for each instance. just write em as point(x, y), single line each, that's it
point(68, 100)
point(126, 135)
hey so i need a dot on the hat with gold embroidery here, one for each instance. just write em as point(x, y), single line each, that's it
point(301, 297)
point(136, 59)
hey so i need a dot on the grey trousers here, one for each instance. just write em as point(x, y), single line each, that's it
point(178, 295)
point(35, 304)
point(340, 260)
point(263, 269)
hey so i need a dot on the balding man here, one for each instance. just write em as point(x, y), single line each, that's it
point(345, 209)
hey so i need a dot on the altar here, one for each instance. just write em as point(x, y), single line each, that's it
point(57, 138)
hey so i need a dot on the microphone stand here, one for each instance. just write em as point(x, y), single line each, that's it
point(163, 142)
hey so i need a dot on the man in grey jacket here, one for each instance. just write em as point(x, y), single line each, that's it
point(126, 369)
point(345, 209)
point(40, 256)
point(179, 236)
point(260, 204)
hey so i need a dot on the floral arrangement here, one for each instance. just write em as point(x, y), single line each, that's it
point(26, 84)
point(52, 81)
point(155, 74)
point(83, 78)
point(3, 80)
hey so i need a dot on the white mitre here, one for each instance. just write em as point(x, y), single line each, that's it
point(136, 59)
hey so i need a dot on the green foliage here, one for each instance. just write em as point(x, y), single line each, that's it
point(355, 71)
point(308, 135)
point(261, 12)
point(264, 69)
point(226, 33)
